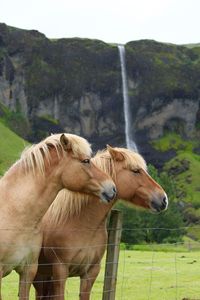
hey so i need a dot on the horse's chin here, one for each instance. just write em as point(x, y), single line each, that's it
point(154, 211)
point(143, 205)
point(104, 201)
point(140, 203)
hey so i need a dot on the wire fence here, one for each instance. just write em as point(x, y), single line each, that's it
point(142, 275)
point(146, 272)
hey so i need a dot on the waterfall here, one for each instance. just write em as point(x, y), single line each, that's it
point(130, 144)
point(56, 108)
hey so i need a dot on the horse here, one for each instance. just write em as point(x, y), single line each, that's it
point(27, 190)
point(74, 232)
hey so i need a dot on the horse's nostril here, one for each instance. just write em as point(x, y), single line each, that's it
point(107, 197)
point(160, 205)
point(155, 205)
point(114, 190)
point(165, 200)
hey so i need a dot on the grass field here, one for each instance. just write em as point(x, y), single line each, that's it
point(142, 275)
point(11, 147)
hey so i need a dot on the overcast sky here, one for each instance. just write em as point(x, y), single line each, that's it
point(113, 21)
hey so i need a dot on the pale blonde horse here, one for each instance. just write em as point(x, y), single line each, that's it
point(74, 232)
point(27, 190)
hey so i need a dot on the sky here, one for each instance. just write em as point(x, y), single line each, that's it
point(112, 21)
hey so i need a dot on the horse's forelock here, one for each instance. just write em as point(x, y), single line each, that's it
point(104, 161)
point(79, 145)
point(134, 160)
point(131, 159)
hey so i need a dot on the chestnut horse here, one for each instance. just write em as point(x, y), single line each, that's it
point(27, 190)
point(74, 232)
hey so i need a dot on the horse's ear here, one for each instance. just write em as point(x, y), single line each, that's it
point(65, 142)
point(115, 154)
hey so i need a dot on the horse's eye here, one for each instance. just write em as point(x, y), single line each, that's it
point(85, 161)
point(136, 171)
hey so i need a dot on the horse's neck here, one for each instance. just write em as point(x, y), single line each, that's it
point(93, 215)
point(27, 195)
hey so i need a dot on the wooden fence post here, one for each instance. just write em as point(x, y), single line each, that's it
point(112, 256)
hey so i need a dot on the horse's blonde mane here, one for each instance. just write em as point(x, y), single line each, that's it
point(68, 204)
point(65, 205)
point(34, 156)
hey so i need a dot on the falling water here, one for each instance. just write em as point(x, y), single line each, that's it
point(130, 144)
point(56, 108)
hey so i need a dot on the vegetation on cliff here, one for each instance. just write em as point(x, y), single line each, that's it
point(71, 67)
point(164, 71)
point(15, 120)
point(184, 169)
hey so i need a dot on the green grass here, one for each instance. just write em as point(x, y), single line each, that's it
point(142, 275)
point(11, 147)
point(173, 141)
point(188, 181)
point(15, 120)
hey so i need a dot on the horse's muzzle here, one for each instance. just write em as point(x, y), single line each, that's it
point(158, 205)
point(108, 194)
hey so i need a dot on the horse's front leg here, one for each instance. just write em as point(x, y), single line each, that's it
point(38, 283)
point(60, 274)
point(87, 282)
point(43, 287)
point(26, 277)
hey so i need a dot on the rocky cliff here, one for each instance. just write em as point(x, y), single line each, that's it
point(74, 85)
point(70, 85)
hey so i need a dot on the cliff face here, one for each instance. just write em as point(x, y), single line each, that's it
point(67, 85)
point(74, 85)
point(166, 87)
